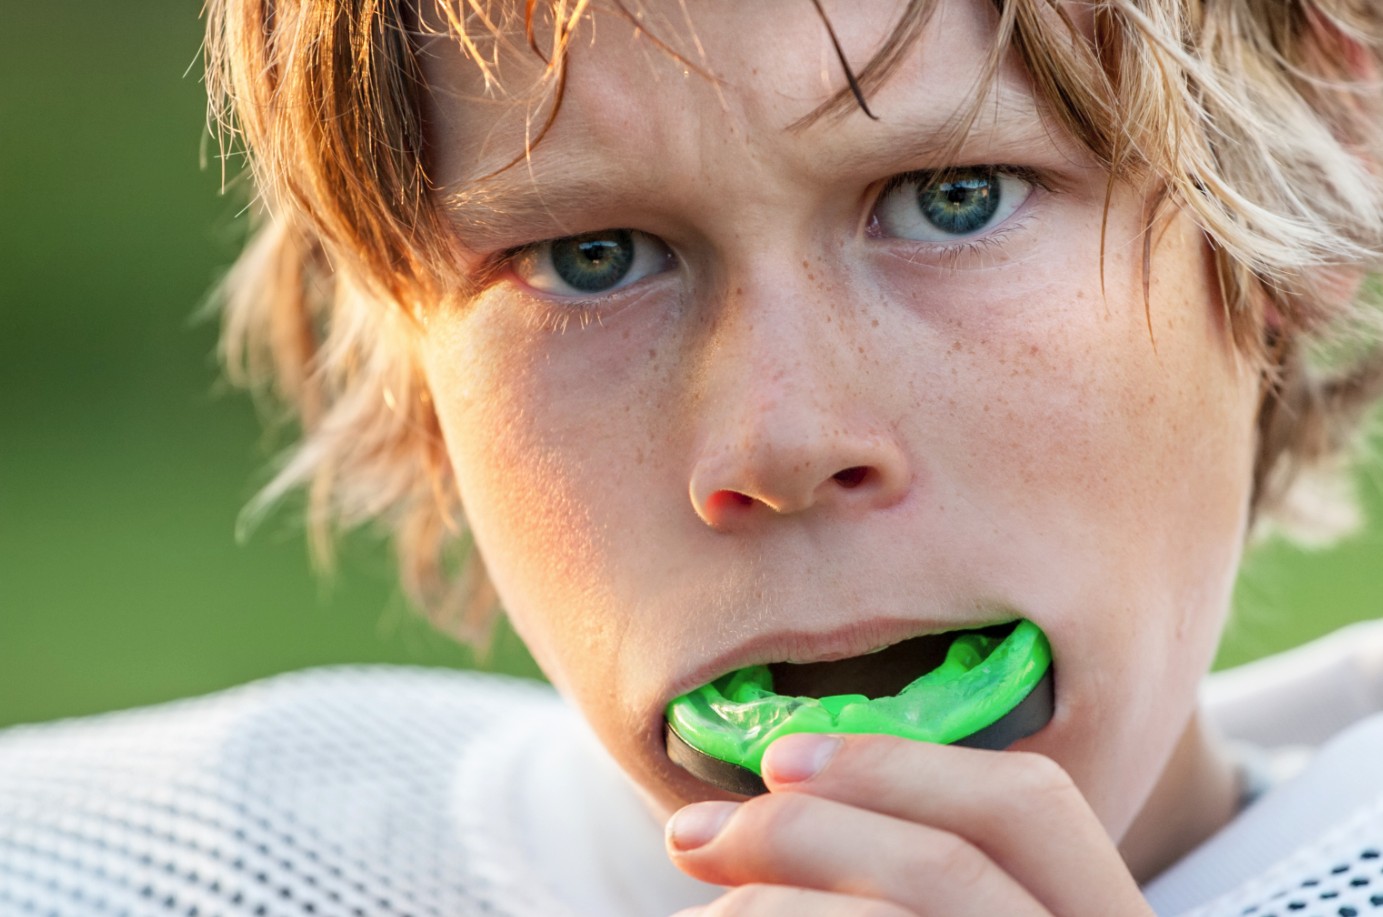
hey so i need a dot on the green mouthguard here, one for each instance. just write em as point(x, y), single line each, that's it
point(720, 731)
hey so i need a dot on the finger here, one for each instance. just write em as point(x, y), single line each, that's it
point(1011, 805)
point(785, 901)
point(800, 840)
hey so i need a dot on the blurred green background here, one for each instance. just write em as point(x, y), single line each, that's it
point(123, 462)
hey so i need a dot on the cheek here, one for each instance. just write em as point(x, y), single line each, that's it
point(551, 471)
point(1122, 449)
point(511, 483)
point(1137, 406)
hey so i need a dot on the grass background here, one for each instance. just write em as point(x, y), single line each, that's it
point(123, 463)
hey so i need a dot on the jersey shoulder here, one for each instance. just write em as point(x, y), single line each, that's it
point(328, 791)
point(1310, 846)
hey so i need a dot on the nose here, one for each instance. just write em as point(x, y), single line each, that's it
point(796, 412)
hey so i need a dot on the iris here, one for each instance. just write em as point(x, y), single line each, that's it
point(594, 262)
point(962, 203)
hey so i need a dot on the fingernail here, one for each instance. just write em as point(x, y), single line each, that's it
point(695, 825)
point(795, 758)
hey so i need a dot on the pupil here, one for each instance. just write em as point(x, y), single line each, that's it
point(961, 205)
point(594, 262)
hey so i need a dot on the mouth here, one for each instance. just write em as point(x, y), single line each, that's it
point(882, 673)
point(985, 687)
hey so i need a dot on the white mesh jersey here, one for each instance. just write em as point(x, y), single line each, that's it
point(392, 791)
point(354, 792)
point(1312, 846)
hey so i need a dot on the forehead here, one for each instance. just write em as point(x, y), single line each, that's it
point(701, 76)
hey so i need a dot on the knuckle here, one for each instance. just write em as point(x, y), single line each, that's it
point(873, 907)
point(877, 757)
point(869, 743)
point(747, 901)
point(886, 752)
point(761, 899)
point(1041, 778)
point(955, 860)
point(778, 814)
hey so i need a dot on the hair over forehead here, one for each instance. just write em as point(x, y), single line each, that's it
point(1258, 117)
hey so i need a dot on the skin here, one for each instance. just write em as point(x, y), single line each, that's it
point(800, 438)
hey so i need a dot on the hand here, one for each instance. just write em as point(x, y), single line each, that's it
point(875, 825)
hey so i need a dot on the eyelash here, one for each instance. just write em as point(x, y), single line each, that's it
point(953, 254)
point(557, 317)
point(553, 319)
point(927, 176)
point(963, 253)
point(550, 316)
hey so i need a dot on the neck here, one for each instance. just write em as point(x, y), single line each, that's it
point(1197, 794)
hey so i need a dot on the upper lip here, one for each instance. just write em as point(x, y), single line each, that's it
point(854, 638)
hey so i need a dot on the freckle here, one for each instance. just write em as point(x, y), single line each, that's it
point(875, 323)
point(652, 353)
point(806, 262)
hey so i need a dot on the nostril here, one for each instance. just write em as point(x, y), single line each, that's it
point(722, 500)
point(851, 477)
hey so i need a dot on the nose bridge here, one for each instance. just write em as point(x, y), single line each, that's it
point(788, 419)
point(778, 348)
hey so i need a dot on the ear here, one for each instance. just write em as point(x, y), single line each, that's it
point(1338, 49)
point(1335, 53)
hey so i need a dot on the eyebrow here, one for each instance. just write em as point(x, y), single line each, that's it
point(1005, 124)
point(491, 211)
point(530, 199)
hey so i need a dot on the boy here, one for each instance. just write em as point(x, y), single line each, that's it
point(783, 334)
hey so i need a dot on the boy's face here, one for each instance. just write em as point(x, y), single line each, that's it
point(800, 412)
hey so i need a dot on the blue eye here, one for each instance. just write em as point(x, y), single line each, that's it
point(592, 263)
point(950, 205)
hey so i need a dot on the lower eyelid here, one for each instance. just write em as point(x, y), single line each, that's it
point(599, 304)
point(651, 256)
point(970, 253)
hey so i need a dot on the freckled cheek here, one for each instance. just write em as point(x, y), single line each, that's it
point(1123, 481)
point(556, 460)
point(513, 486)
point(1027, 408)
point(1124, 467)
point(1073, 396)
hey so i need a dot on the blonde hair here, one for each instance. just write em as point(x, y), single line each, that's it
point(1258, 117)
